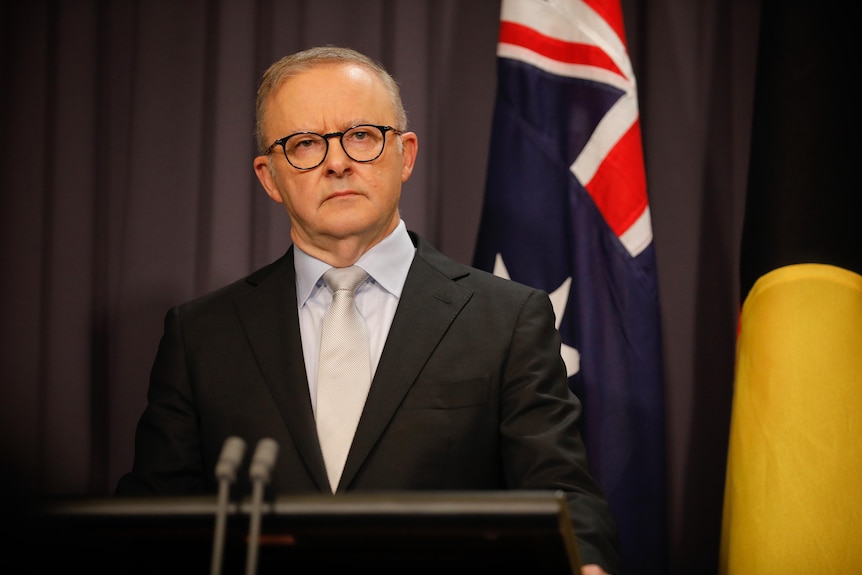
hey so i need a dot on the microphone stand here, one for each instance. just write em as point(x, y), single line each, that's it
point(231, 456)
point(259, 471)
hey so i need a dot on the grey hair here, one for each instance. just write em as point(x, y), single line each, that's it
point(299, 62)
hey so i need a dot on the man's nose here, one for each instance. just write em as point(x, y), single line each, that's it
point(336, 160)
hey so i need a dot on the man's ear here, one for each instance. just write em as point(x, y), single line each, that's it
point(409, 149)
point(264, 173)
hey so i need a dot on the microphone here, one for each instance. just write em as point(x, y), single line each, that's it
point(261, 466)
point(231, 456)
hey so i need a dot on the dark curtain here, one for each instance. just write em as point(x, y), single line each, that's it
point(127, 186)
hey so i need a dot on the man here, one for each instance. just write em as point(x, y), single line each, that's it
point(468, 390)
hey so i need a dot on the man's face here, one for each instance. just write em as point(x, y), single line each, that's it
point(341, 199)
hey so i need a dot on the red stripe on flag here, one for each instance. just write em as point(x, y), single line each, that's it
point(611, 12)
point(565, 52)
point(619, 186)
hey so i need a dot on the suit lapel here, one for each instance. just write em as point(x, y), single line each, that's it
point(430, 301)
point(270, 319)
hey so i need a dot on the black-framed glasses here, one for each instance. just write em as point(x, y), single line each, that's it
point(307, 150)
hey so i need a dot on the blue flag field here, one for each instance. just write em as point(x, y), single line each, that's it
point(566, 210)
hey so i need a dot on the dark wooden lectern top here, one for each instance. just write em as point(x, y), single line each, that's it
point(405, 532)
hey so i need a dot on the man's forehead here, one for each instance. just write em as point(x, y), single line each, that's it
point(339, 93)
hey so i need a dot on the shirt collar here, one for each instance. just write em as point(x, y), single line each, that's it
point(387, 263)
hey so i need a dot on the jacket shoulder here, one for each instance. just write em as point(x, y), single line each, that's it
point(275, 271)
point(467, 275)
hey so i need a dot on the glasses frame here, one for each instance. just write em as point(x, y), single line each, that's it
point(281, 141)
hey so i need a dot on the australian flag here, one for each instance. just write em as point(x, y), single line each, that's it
point(566, 210)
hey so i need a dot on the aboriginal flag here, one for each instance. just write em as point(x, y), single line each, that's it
point(793, 494)
point(566, 211)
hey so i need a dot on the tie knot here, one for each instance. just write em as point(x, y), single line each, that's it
point(347, 278)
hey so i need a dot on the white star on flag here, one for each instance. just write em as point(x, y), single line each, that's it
point(559, 297)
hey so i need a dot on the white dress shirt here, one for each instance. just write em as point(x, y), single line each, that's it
point(377, 297)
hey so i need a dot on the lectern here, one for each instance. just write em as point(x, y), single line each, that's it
point(405, 533)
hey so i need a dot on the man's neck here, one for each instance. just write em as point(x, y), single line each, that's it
point(341, 252)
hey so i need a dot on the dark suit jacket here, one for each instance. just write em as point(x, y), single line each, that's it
point(470, 394)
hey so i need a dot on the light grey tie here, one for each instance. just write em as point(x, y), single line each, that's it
point(344, 370)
